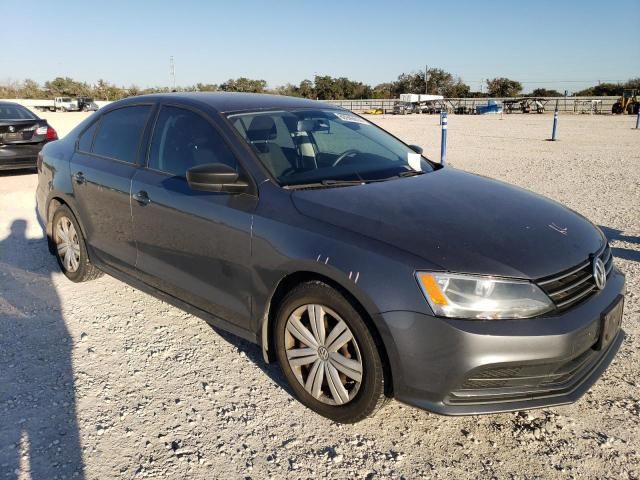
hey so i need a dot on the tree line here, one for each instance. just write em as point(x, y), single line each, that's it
point(322, 87)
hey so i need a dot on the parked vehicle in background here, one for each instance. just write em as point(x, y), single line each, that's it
point(86, 104)
point(418, 103)
point(490, 107)
point(66, 104)
point(365, 269)
point(627, 103)
point(22, 136)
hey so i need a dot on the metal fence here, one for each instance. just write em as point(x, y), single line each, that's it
point(565, 104)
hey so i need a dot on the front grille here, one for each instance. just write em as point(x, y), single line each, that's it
point(576, 284)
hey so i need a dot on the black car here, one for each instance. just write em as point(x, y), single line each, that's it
point(22, 136)
point(86, 104)
point(365, 269)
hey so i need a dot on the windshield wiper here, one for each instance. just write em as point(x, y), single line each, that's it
point(326, 184)
point(410, 173)
point(331, 182)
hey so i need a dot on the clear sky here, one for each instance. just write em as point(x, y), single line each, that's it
point(556, 43)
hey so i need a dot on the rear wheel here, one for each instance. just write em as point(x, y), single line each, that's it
point(70, 248)
point(328, 355)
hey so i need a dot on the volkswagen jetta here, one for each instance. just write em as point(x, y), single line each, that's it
point(366, 270)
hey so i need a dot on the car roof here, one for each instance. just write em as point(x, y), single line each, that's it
point(226, 102)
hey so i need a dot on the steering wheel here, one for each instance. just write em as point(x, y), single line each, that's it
point(348, 153)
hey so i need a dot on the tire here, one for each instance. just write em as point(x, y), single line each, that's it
point(315, 366)
point(73, 260)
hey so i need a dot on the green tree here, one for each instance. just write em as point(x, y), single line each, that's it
point(633, 84)
point(307, 89)
point(289, 90)
point(503, 87)
point(383, 90)
point(206, 87)
point(325, 88)
point(243, 84)
point(543, 92)
point(606, 89)
point(31, 89)
point(439, 82)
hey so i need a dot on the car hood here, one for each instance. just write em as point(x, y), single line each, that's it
point(460, 222)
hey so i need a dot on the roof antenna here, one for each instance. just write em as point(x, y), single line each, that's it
point(172, 74)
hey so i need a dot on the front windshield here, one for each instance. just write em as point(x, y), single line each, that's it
point(314, 146)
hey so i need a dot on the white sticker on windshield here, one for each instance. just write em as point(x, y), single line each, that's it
point(414, 160)
point(346, 117)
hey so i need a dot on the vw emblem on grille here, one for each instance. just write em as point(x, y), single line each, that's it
point(12, 129)
point(599, 273)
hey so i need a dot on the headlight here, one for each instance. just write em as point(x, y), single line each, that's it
point(472, 296)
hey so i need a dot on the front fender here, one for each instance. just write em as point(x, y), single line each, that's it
point(379, 277)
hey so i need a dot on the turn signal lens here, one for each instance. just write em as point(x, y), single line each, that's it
point(430, 286)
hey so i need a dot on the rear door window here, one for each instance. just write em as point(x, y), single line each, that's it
point(119, 133)
point(183, 139)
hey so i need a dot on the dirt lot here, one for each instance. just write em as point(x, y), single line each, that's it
point(99, 380)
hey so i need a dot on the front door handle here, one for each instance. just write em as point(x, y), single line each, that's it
point(79, 177)
point(141, 197)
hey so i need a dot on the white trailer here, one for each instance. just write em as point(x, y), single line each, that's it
point(418, 103)
point(66, 104)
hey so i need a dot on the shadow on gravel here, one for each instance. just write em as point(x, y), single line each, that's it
point(254, 353)
point(626, 253)
point(39, 435)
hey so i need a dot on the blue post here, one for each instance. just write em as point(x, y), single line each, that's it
point(443, 142)
point(554, 133)
point(440, 117)
point(638, 118)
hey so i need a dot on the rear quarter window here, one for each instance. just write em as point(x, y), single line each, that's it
point(120, 131)
point(86, 139)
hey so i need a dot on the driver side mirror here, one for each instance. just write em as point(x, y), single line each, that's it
point(215, 177)
point(416, 148)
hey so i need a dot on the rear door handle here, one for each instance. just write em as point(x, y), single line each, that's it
point(79, 177)
point(141, 197)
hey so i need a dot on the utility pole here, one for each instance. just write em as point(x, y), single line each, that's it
point(426, 79)
point(172, 74)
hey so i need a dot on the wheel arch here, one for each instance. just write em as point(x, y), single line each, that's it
point(53, 204)
point(290, 281)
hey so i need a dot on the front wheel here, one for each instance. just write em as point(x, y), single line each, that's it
point(328, 354)
point(70, 248)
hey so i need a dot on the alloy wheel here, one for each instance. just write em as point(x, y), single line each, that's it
point(67, 244)
point(323, 354)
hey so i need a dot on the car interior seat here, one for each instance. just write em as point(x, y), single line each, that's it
point(261, 133)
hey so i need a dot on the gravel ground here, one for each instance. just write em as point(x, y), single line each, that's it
point(99, 380)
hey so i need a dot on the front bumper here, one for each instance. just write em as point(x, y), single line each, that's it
point(18, 156)
point(464, 367)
